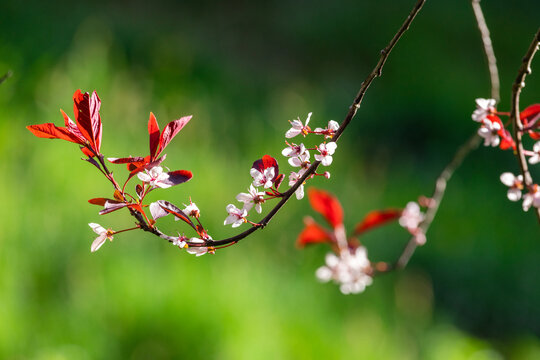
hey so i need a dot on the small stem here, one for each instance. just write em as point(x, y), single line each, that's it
point(6, 76)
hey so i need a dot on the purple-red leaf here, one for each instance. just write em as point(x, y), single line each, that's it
point(377, 218)
point(266, 162)
point(127, 160)
point(170, 132)
point(99, 201)
point(173, 209)
point(153, 131)
point(177, 177)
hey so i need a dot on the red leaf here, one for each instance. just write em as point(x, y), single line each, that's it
point(529, 113)
point(50, 131)
point(327, 205)
point(170, 132)
point(377, 218)
point(266, 162)
point(127, 160)
point(507, 142)
point(313, 233)
point(153, 131)
point(86, 109)
point(99, 201)
point(173, 209)
point(72, 127)
point(178, 177)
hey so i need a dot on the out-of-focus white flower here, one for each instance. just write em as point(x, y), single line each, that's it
point(254, 197)
point(515, 184)
point(327, 174)
point(155, 177)
point(298, 128)
point(351, 270)
point(191, 210)
point(484, 107)
point(489, 131)
point(197, 250)
point(293, 178)
point(326, 151)
point(236, 216)
point(532, 198)
point(103, 233)
point(535, 159)
point(264, 179)
point(411, 217)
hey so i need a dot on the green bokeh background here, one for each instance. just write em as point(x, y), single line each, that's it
point(243, 68)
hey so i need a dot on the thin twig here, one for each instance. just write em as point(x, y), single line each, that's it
point(377, 71)
point(519, 84)
point(6, 76)
point(488, 49)
point(463, 151)
point(438, 194)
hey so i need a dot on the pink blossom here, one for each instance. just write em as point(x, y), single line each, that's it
point(326, 151)
point(236, 216)
point(330, 130)
point(180, 241)
point(155, 177)
point(298, 128)
point(103, 233)
point(301, 160)
point(515, 183)
point(253, 197)
point(411, 217)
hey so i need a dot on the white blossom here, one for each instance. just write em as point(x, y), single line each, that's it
point(483, 108)
point(535, 159)
point(488, 131)
point(197, 250)
point(103, 233)
point(236, 216)
point(351, 270)
point(301, 160)
point(515, 184)
point(191, 210)
point(330, 130)
point(411, 217)
point(254, 197)
point(532, 198)
point(180, 241)
point(297, 127)
point(264, 179)
point(154, 177)
point(326, 151)
point(293, 178)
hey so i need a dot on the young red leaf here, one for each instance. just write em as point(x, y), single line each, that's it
point(170, 132)
point(86, 109)
point(173, 209)
point(177, 177)
point(531, 118)
point(313, 233)
point(153, 131)
point(50, 131)
point(327, 205)
point(127, 160)
point(266, 162)
point(507, 142)
point(99, 201)
point(377, 218)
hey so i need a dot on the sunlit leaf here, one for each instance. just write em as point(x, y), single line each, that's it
point(377, 218)
point(327, 205)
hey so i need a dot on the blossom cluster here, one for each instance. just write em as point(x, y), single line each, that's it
point(265, 171)
point(348, 264)
point(494, 133)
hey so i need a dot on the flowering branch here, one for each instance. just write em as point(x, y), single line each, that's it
point(376, 72)
point(518, 85)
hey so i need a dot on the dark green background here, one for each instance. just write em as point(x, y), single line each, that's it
point(243, 68)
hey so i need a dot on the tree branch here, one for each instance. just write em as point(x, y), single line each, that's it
point(518, 85)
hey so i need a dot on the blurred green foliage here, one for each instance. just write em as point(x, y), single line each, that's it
point(243, 69)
